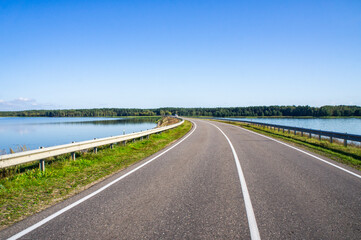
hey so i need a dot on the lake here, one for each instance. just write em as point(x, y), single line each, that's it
point(34, 132)
point(343, 125)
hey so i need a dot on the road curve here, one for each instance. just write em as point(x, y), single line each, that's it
point(194, 191)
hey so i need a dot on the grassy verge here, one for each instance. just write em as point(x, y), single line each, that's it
point(350, 155)
point(28, 192)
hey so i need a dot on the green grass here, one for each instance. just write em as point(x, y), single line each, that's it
point(350, 155)
point(26, 192)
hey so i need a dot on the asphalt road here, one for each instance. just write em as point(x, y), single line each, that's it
point(194, 191)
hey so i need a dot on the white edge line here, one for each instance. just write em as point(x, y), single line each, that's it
point(252, 223)
point(54, 215)
point(309, 154)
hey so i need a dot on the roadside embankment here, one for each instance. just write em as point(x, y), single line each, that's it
point(166, 121)
point(25, 193)
point(350, 155)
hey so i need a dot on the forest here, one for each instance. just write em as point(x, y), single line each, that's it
point(256, 111)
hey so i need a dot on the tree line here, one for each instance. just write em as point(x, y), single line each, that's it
point(257, 111)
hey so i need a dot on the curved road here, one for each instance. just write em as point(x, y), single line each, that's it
point(218, 182)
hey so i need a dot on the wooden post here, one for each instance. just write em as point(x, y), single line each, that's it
point(345, 142)
point(331, 140)
point(319, 137)
point(95, 150)
point(310, 135)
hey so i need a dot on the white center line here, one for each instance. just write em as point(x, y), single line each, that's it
point(54, 215)
point(247, 199)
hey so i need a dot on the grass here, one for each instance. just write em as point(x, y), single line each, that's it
point(23, 193)
point(350, 155)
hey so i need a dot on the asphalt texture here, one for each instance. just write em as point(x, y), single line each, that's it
point(193, 192)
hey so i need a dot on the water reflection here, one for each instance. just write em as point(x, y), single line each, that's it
point(343, 125)
point(122, 121)
point(36, 132)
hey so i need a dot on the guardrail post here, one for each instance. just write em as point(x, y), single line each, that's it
point(42, 163)
point(124, 142)
point(301, 134)
point(289, 131)
point(331, 140)
point(345, 142)
point(147, 136)
point(73, 154)
point(141, 138)
point(133, 140)
point(95, 149)
point(319, 137)
point(310, 135)
point(283, 130)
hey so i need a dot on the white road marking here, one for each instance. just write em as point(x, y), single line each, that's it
point(247, 199)
point(54, 215)
point(309, 154)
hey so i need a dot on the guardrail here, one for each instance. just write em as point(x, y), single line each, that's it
point(43, 153)
point(331, 135)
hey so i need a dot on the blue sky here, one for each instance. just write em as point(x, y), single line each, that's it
point(146, 54)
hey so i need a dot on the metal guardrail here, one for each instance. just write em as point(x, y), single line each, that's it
point(43, 153)
point(331, 135)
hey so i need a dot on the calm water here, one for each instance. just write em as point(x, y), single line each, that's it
point(343, 125)
point(46, 132)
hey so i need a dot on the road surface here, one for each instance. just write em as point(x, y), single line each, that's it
point(218, 182)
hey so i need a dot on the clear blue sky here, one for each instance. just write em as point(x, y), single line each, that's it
point(145, 54)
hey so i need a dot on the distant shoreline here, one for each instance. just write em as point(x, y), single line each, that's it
point(250, 117)
point(296, 117)
point(340, 111)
